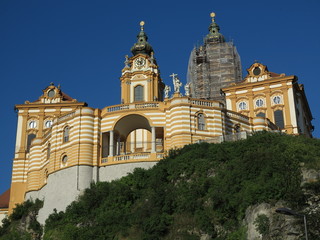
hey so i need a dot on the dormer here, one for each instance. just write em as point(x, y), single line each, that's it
point(258, 72)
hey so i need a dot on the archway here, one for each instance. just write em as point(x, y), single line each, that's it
point(132, 134)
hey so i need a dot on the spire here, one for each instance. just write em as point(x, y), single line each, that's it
point(142, 46)
point(214, 36)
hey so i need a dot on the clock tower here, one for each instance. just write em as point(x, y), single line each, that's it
point(140, 80)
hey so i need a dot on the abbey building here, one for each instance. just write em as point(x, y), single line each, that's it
point(62, 145)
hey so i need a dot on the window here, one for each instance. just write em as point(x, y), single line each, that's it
point(51, 93)
point(48, 123)
point(201, 122)
point(64, 160)
point(29, 140)
point(138, 93)
point(66, 134)
point(259, 103)
point(256, 71)
point(277, 100)
point(48, 151)
point(242, 105)
point(278, 118)
point(32, 124)
point(261, 114)
point(46, 174)
point(237, 128)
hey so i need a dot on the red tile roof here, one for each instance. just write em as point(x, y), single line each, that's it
point(4, 199)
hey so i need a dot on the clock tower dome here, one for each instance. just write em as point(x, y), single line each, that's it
point(140, 80)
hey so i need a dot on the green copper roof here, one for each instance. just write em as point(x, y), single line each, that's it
point(214, 35)
point(142, 46)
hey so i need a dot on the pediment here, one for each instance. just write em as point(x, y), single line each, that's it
point(53, 94)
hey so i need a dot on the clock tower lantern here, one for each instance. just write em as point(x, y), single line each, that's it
point(140, 80)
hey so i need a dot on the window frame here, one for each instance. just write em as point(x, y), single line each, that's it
point(66, 134)
point(244, 107)
point(201, 122)
point(138, 96)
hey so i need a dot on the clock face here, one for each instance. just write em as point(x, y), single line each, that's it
point(140, 62)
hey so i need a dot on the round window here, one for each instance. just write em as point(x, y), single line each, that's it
point(256, 71)
point(277, 100)
point(32, 124)
point(51, 93)
point(259, 103)
point(242, 105)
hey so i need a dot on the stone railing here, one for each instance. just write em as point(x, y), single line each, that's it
point(226, 138)
point(47, 134)
point(65, 117)
point(133, 106)
point(132, 156)
point(118, 108)
point(147, 105)
point(237, 116)
point(135, 156)
point(204, 103)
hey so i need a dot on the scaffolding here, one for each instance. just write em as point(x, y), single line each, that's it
point(211, 67)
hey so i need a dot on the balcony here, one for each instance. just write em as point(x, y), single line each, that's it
point(132, 157)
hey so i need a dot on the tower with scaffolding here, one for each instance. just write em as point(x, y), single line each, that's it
point(214, 65)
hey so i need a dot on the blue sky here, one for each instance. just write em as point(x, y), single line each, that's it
point(81, 45)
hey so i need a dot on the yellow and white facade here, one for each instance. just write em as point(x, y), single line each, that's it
point(63, 145)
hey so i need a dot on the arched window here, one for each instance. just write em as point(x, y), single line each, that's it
point(242, 105)
point(259, 102)
point(278, 118)
point(201, 122)
point(66, 134)
point(237, 128)
point(138, 93)
point(64, 160)
point(261, 114)
point(46, 174)
point(48, 151)
point(29, 140)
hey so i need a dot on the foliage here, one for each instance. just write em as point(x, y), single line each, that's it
point(199, 189)
point(17, 227)
point(262, 224)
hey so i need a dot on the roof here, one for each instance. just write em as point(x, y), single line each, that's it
point(4, 199)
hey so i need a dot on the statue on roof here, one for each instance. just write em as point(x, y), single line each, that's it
point(176, 82)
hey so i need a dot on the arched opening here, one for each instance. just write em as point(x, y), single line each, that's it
point(48, 151)
point(66, 134)
point(131, 135)
point(201, 122)
point(29, 140)
point(278, 118)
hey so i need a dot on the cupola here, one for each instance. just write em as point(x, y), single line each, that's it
point(214, 36)
point(142, 45)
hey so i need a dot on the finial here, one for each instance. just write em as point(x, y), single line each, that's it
point(141, 25)
point(52, 84)
point(212, 15)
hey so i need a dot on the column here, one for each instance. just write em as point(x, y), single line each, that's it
point(111, 141)
point(118, 146)
point(153, 141)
